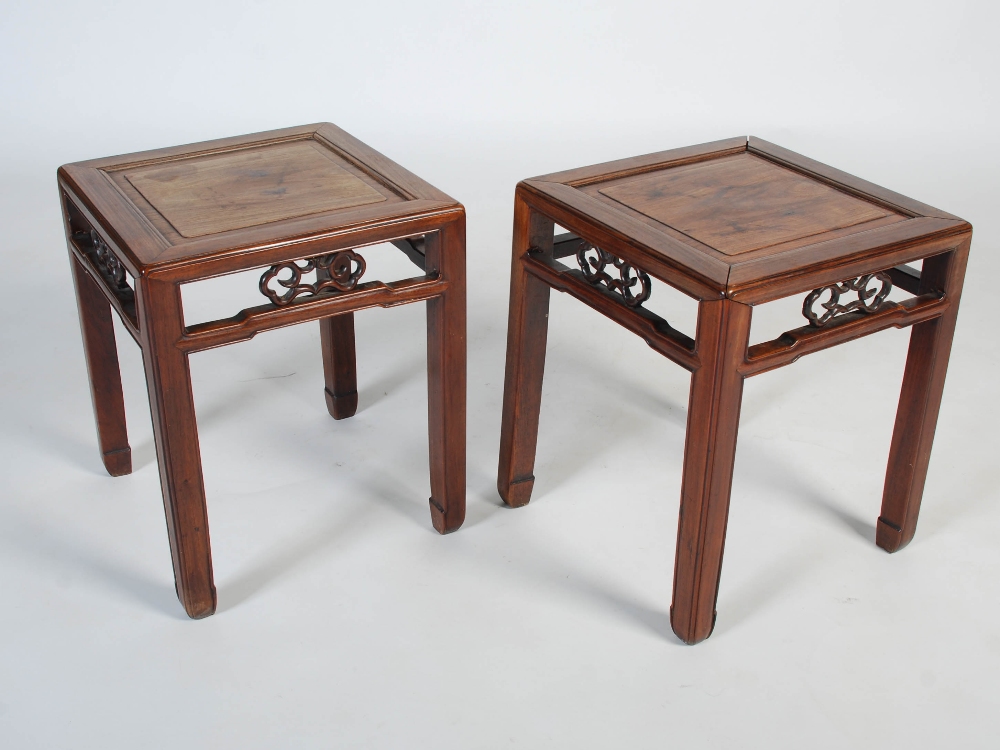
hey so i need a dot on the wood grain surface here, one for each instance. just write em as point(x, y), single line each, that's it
point(741, 203)
point(234, 190)
point(732, 224)
point(188, 213)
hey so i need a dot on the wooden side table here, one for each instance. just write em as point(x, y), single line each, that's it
point(733, 224)
point(295, 203)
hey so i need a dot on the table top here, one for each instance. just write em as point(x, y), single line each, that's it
point(172, 206)
point(731, 216)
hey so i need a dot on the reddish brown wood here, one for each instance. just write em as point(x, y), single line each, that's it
point(527, 330)
point(653, 329)
point(636, 165)
point(826, 262)
point(920, 402)
point(249, 322)
point(82, 247)
point(105, 375)
point(844, 181)
point(168, 380)
point(146, 238)
point(663, 256)
point(734, 224)
point(709, 453)
point(340, 367)
point(820, 235)
point(290, 201)
point(446, 375)
point(237, 189)
point(767, 205)
point(796, 343)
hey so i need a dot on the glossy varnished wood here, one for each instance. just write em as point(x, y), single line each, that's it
point(446, 375)
point(732, 224)
point(527, 331)
point(340, 366)
point(141, 225)
point(145, 239)
point(709, 454)
point(105, 376)
point(653, 329)
point(790, 214)
point(178, 454)
point(920, 402)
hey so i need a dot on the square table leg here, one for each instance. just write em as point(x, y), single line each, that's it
point(340, 367)
point(709, 453)
point(168, 380)
point(919, 403)
point(527, 332)
point(105, 375)
point(446, 376)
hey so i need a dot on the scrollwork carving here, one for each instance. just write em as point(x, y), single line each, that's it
point(869, 299)
point(106, 263)
point(593, 262)
point(340, 271)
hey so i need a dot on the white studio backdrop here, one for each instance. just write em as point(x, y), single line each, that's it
point(344, 621)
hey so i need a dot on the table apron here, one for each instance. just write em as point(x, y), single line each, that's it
point(791, 345)
point(102, 284)
point(650, 327)
point(248, 323)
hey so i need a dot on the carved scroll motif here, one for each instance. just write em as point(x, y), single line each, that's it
point(106, 263)
point(593, 262)
point(340, 271)
point(869, 299)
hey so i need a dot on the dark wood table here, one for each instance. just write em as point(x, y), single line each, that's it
point(733, 224)
point(295, 203)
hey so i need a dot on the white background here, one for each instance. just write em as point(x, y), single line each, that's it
point(344, 620)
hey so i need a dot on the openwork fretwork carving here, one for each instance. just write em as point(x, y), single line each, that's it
point(340, 271)
point(593, 262)
point(869, 299)
point(106, 263)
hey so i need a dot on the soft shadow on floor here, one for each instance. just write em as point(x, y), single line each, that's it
point(55, 441)
point(237, 396)
point(569, 450)
point(370, 393)
point(753, 596)
point(54, 547)
point(786, 481)
point(290, 553)
point(143, 454)
point(338, 530)
point(543, 569)
point(406, 500)
point(666, 403)
point(968, 492)
point(484, 501)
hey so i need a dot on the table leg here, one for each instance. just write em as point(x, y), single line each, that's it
point(105, 375)
point(168, 380)
point(919, 403)
point(446, 376)
point(340, 367)
point(709, 453)
point(527, 331)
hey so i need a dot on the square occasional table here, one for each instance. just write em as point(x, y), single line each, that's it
point(733, 224)
point(296, 204)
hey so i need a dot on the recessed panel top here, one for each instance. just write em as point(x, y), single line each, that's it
point(220, 192)
point(741, 203)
